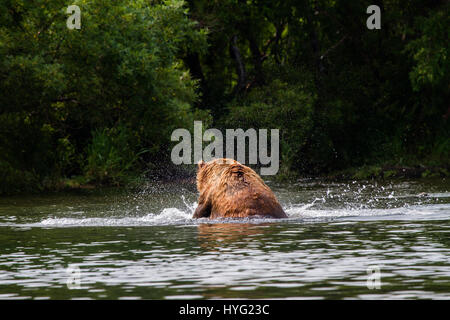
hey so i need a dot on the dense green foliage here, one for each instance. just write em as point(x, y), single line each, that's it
point(91, 100)
point(341, 94)
point(101, 102)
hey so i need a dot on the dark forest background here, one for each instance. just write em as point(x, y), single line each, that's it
point(98, 105)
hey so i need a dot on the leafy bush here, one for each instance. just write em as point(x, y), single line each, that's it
point(14, 180)
point(112, 156)
point(280, 106)
point(57, 85)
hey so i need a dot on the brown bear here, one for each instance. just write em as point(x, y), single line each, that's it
point(228, 189)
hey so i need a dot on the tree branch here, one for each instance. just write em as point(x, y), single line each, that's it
point(333, 47)
point(240, 67)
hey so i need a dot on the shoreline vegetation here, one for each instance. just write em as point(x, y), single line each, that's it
point(372, 173)
point(96, 106)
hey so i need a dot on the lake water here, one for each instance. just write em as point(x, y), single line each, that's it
point(356, 240)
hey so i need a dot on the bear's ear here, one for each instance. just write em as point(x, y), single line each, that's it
point(200, 164)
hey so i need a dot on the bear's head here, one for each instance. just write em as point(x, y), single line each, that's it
point(210, 172)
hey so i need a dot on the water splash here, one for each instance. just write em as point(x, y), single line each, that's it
point(176, 205)
point(167, 217)
point(174, 216)
point(439, 211)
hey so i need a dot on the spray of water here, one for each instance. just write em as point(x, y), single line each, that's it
point(168, 205)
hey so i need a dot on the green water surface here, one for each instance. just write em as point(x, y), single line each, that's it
point(144, 245)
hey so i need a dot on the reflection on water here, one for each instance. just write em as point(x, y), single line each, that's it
point(216, 235)
point(146, 245)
